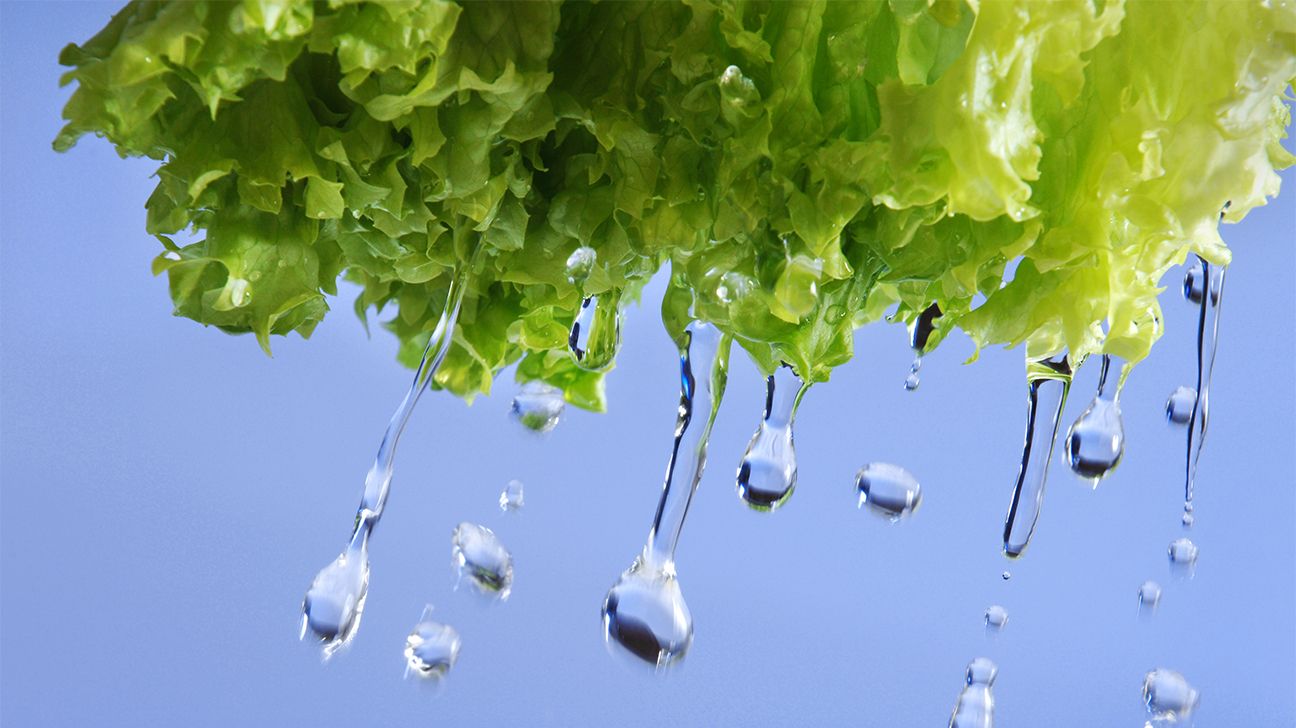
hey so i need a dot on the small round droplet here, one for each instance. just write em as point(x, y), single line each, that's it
point(1149, 596)
point(835, 313)
point(479, 556)
point(511, 498)
point(888, 490)
point(1183, 552)
point(1188, 519)
point(432, 648)
point(982, 671)
point(734, 287)
point(538, 406)
point(995, 618)
point(1006, 575)
point(1169, 697)
point(645, 616)
point(1179, 405)
point(580, 264)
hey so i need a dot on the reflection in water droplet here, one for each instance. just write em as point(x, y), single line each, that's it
point(644, 613)
point(888, 490)
point(335, 599)
point(995, 618)
point(511, 498)
point(1048, 382)
point(1183, 552)
point(1179, 405)
point(1149, 596)
point(478, 555)
point(768, 471)
point(580, 264)
point(1096, 440)
point(975, 706)
point(538, 406)
point(596, 334)
point(1207, 338)
point(432, 648)
point(1169, 697)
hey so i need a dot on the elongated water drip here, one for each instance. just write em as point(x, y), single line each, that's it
point(975, 706)
point(335, 600)
point(596, 334)
point(1048, 381)
point(644, 613)
point(1096, 440)
point(1207, 338)
point(922, 332)
point(768, 471)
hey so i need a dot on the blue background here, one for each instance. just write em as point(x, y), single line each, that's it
point(169, 491)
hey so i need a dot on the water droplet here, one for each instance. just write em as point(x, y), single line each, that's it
point(1183, 552)
point(1179, 406)
point(1048, 381)
point(975, 706)
point(432, 648)
point(580, 264)
point(995, 618)
point(171, 255)
point(1169, 697)
point(835, 313)
point(768, 471)
point(920, 335)
point(1187, 519)
point(479, 556)
point(1207, 339)
point(644, 613)
point(888, 490)
point(511, 497)
point(1096, 440)
point(538, 406)
point(1149, 596)
point(335, 599)
point(915, 378)
point(1006, 575)
point(734, 287)
point(1193, 283)
point(240, 292)
point(596, 333)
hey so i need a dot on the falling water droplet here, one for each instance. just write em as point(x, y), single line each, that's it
point(995, 618)
point(432, 648)
point(1048, 381)
point(1183, 552)
point(478, 555)
point(644, 614)
point(538, 406)
point(335, 599)
point(1096, 440)
point(596, 334)
point(767, 474)
point(1169, 697)
point(922, 331)
point(1006, 575)
point(975, 706)
point(1187, 520)
point(511, 498)
point(888, 490)
point(1149, 596)
point(580, 264)
point(1207, 338)
point(1179, 405)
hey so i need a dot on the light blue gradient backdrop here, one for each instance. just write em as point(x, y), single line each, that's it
point(168, 493)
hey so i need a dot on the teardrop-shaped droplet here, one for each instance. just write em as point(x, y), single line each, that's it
point(335, 600)
point(538, 406)
point(914, 379)
point(511, 498)
point(596, 334)
point(1149, 596)
point(479, 556)
point(1183, 552)
point(1193, 283)
point(1188, 519)
point(767, 474)
point(1207, 340)
point(888, 490)
point(644, 614)
point(975, 706)
point(1048, 381)
point(580, 264)
point(995, 618)
point(432, 648)
point(1170, 699)
point(920, 336)
point(1096, 440)
point(1179, 405)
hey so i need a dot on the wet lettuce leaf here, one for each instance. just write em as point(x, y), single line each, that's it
point(803, 167)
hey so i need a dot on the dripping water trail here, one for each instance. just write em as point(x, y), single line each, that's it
point(768, 471)
point(1048, 380)
point(1207, 338)
point(922, 332)
point(644, 613)
point(335, 600)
